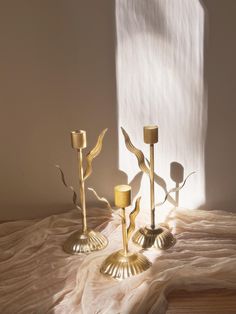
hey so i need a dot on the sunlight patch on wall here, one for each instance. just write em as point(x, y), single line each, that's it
point(160, 80)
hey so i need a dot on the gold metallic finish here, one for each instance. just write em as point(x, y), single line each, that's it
point(101, 199)
point(85, 242)
point(78, 139)
point(122, 195)
point(81, 187)
point(150, 134)
point(159, 238)
point(124, 233)
point(138, 153)
point(74, 197)
point(94, 153)
point(123, 264)
point(152, 195)
point(132, 217)
point(153, 236)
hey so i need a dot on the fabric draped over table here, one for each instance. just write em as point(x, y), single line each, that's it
point(37, 276)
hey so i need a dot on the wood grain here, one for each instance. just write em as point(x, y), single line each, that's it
point(218, 301)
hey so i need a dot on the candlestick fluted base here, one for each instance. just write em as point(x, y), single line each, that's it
point(159, 238)
point(85, 242)
point(120, 266)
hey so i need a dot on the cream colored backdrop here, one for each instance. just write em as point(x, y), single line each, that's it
point(57, 62)
point(57, 74)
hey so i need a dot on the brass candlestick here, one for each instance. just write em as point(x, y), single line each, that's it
point(150, 135)
point(150, 236)
point(123, 263)
point(86, 240)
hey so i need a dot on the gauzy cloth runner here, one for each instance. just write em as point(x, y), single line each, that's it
point(36, 276)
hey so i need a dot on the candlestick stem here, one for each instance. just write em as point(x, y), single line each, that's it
point(152, 195)
point(124, 232)
point(177, 195)
point(82, 190)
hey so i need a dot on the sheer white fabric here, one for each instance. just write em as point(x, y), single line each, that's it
point(36, 276)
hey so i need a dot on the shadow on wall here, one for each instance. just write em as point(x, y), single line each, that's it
point(220, 71)
point(161, 81)
point(219, 169)
point(57, 74)
point(177, 175)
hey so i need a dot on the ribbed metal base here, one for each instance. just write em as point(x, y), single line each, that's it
point(121, 266)
point(159, 238)
point(85, 242)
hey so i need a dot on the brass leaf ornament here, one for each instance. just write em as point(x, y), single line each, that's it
point(94, 153)
point(74, 196)
point(101, 198)
point(132, 218)
point(138, 153)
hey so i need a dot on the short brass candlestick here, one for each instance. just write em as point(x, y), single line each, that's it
point(86, 240)
point(123, 263)
point(149, 236)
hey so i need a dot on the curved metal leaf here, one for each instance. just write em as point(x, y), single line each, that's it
point(161, 182)
point(138, 153)
point(174, 190)
point(101, 199)
point(93, 153)
point(132, 218)
point(74, 197)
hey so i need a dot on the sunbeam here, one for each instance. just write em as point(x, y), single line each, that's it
point(160, 80)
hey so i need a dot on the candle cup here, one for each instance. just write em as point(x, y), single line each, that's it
point(78, 139)
point(122, 196)
point(150, 134)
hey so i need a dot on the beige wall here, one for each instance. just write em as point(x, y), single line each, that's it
point(57, 74)
point(57, 62)
point(220, 65)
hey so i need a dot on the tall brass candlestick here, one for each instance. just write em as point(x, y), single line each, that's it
point(149, 236)
point(150, 135)
point(84, 241)
point(79, 142)
point(123, 263)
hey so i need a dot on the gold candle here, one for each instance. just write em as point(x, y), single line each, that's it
point(122, 195)
point(78, 139)
point(150, 134)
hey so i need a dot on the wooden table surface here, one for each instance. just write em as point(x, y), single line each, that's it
point(218, 301)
